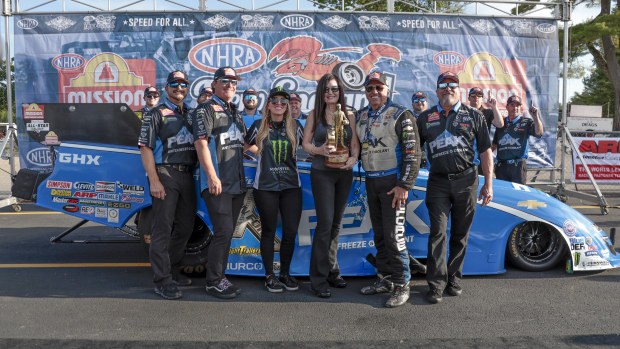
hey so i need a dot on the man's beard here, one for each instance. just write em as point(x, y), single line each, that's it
point(448, 99)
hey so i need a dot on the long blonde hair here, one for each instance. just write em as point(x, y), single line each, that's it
point(263, 130)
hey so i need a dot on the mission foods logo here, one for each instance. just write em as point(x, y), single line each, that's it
point(243, 55)
point(106, 78)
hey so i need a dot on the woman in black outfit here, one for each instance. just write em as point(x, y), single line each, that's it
point(274, 139)
point(330, 186)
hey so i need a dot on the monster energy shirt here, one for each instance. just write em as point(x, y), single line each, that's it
point(277, 166)
point(220, 123)
point(167, 130)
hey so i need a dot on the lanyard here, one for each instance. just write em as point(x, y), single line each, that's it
point(374, 114)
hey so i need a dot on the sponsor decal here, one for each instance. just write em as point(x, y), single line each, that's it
point(114, 204)
point(159, 22)
point(71, 208)
point(37, 126)
point(51, 138)
point(87, 210)
point(105, 187)
point(569, 228)
point(82, 159)
point(68, 61)
point(166, 112)
point(113, 214)
point(217, 107)
point(60, 200)
point(106, 196)
point(532, 204)
point(58, 192)
point(84, 194)
point(27, 23)
point(245, 251)
point(33, 111)
point(297, 22)
point(256, 21)
point(336, 22)
point(373, 23)
point(39, 157)
point(242, 55)
point(218, 21)
point(60, 23)
point(83, 186)
point(589, 241)
point(127, 198)
point(448, 58)
point(99, 22)
point(578, 246)
point(433, 116)
point(244, 266)
point(58, 184)
point(519, 26)
point(101, 212)
point(483, 26)
point(131, 189)
point(546, 28)
point(591, 253)
point(92, 202)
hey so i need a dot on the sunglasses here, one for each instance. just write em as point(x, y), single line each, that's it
point(419, 100)
point(448, 84)
point(334, 89)
point(229, 81)
point(151, 96)
point(476, 95)
point(276, 100)
point(177, 84)
point(250, 97)
point(379, 88)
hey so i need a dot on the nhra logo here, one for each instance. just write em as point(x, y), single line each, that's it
point(68, 61)
point(297, 22)
point(242, 55)
point(448, 58)
point(27, 23)
point(39, 157)
point(546, 28)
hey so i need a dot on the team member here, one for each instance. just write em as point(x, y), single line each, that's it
point(419, 102)
point(491, 115)
point(151, 98)
point(512, 141)
point(218, 134)
point(453, 132)
point(330, 187)
point(391, 159)
point(295, 105)
point(206, 93)
point(168, 154)
point(274, 138)
point(250, 102)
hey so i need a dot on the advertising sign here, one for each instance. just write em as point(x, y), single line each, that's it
point(602, 156)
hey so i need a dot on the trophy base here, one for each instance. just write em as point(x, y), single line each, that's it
point(337, 158)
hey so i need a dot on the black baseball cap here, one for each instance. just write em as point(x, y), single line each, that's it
point(279, 91)
point(178, 75)
point(226, 73)
point(375, 77)
point(448, 75)
point(151, 90)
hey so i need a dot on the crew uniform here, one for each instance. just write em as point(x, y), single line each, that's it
point(167, 130)
point(512, 149)
point(278, 190)
point(452, 144)
point(390, 157)
point(221, 124)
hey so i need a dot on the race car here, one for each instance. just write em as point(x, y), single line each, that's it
point(103, 181)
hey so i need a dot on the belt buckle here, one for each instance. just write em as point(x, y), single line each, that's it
point(451, 176)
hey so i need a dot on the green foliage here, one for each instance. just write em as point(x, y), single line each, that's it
point(3, 95)
point(598, 90)
point(399, 5)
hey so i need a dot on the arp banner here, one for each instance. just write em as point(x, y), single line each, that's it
point(602, 156)
point(113, 57)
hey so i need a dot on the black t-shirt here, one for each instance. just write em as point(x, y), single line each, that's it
point(453, 142)
point(277, 166)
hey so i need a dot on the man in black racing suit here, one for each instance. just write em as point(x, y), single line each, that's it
point(391, 158)
point(218, 132)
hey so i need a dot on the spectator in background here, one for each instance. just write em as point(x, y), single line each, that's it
point(206, 93)
point(151, 98)
point(491, 115)
point(295, 105)
point(419, 102)
point(250, 103)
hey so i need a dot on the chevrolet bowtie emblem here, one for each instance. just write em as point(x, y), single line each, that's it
point(532, 204)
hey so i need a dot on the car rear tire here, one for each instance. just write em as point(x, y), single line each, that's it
point(535, 246)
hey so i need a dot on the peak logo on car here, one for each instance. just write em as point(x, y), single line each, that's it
point(243, 55)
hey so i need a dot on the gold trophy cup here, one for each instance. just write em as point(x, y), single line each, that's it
point(335, 139)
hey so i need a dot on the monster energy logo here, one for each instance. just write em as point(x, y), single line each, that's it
point(278, 151)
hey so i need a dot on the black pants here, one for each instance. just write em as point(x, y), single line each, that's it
point(223, 211)
point(456, 198)
point(392, 255)
point(516, 172)
point(330, 190)
point(172, 224)
point(269, 203)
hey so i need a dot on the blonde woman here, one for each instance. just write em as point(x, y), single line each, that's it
point(274, 139)
point(330, 186)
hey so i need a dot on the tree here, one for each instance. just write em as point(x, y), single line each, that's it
point(3, 88)
point(598, 90)
point(399, 5)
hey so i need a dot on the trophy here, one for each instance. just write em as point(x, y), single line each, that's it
point(335, 139)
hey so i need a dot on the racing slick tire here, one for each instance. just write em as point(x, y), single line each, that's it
point(535, 246)
point(351, 75)
point(194, 261)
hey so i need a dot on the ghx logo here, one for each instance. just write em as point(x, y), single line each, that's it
point(83, 159)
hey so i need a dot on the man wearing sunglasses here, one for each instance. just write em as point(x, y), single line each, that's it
point(491, 115)
point(206, 93)
point(391, 159)
point(250, 102)
point(168, 155)
point(219, 136)
point(151, 98)
point(453, 133)
point(419, 102)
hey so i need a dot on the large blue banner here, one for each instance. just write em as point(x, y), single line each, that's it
point(112, 58)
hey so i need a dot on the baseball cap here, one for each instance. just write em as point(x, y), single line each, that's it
point(177, 75)
point(208, 90)
point(514, 99)
point(418, 95)
point(375, 77)
point(151, 90)
point(447, 75)
point(475, 90)
point(250, 91)
point(227, 73)
point(295, 96)
point(279, 91)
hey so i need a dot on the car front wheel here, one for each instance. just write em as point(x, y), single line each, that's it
point(535, 246)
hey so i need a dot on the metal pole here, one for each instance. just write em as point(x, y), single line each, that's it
point(9, 90)
point(566, 9)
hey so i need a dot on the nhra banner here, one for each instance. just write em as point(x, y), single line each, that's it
point(112, 58)
point(602, 156)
